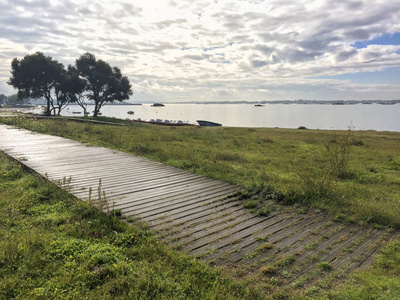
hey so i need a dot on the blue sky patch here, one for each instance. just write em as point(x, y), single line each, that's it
point(386, 76)
point(385, 39)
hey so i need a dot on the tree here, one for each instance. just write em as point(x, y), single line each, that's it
point(36, 76)
point(3, 98)
point(68, 89)
point(13, 99)
point(79, 85)
point(104, 84)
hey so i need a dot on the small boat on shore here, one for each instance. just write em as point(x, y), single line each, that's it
point(158, 104)
point(130, 112)
point(259, 105)
point(208, 123)
point(164, 122)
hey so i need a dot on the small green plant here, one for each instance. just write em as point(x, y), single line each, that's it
point(300, 282)
point(250, 204)
point(116, 213)
point(271, 269)
point(264, 211)
point(264, 247)
point(311, 245)
point(301, 210)
point(313, 258)
point(325, 266)
point(338, 150)
point(285, 261)
point(250, 255)
point(262, 239)
point(286, 274)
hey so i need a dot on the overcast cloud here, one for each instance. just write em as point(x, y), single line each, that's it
point(194, 50)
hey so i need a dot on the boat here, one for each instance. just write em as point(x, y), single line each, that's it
point(208, 123)
point(259, 105)
point(76, 112)
point(165, 122)
point(158, 104)
point(130, 112)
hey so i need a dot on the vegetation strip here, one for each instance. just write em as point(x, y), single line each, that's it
point(55, 246)
point(283, 263)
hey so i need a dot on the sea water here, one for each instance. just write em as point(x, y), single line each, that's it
point(313, 116)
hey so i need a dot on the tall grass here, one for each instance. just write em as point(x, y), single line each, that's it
point(355, 173)
point(53, 246)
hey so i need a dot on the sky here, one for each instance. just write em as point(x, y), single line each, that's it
point(231, 50)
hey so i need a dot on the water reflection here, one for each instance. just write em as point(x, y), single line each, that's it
point(313, 116)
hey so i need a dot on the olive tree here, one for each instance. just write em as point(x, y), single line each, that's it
point(103, 83)
point(36, 76)
point(68, 90)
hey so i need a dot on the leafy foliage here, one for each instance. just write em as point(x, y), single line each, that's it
point(39, 76)
point(103, 84)
point(36, 76)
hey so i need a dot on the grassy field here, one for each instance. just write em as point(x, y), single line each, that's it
point(300, 166)
point(54, 246)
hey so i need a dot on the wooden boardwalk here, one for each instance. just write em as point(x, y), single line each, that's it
point(197, 214)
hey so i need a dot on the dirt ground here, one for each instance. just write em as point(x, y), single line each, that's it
point(13, 109)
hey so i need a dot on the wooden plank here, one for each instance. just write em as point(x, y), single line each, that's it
point(207, 210)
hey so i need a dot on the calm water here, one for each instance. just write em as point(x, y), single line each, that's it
point(314, 116)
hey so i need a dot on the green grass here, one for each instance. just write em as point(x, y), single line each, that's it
point(53, 246)
point(283, 165)
point(381, 281)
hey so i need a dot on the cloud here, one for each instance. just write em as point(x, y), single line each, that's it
point(215, 50)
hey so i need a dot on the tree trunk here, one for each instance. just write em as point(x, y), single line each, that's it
point(96, 110)
point(48, 110)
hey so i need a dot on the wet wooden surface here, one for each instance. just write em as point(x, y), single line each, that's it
point(198, 215)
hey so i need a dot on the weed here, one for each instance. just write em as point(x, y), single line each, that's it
point(301, 210)
point(325, 266)
point(338, 151)
point(313, 258)
point(264, 247)
point(287, 274)
point(264, 211)
point(289, 170)
point(250, 204)
point(262, 239)
point(311, 246)
point(300, 282)
point(285, 261)
point(63, 248)
point(347, 250)
point(250, 255)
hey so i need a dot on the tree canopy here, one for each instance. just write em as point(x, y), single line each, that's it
point(3, 98)
point(35, 76)
point(39, 76)
point(104, 84)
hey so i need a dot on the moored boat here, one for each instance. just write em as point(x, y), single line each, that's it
point(208, 123)
point(165, 122)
